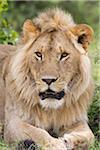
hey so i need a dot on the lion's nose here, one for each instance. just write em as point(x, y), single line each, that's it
point(49, 81)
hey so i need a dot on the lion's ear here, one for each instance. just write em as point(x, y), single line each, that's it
point(29, 30)
point(84, 34)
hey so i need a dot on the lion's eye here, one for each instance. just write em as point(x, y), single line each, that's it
point(39, 54)
point(64, 55)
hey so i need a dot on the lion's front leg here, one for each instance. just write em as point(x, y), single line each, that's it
point(79, 136)
point(18, 130)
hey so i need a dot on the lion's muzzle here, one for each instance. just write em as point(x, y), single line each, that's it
point(52, 94)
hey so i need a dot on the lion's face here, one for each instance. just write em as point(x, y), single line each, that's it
point(54, 62)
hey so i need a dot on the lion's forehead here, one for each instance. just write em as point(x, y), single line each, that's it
point(54, 41)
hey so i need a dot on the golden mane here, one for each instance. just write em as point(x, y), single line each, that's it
point(54, 19)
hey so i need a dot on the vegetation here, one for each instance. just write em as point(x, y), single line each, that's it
point(13, 14)
point(7, 33)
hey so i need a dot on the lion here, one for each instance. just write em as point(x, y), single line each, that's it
point(47, 85)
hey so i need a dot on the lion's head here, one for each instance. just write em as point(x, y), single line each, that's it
point(51, 66)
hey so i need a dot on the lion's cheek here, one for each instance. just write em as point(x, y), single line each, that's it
point(57, 87)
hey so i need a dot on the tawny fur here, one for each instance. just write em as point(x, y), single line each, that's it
point(22, 74)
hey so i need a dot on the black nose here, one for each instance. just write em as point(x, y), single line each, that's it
point(49, 81)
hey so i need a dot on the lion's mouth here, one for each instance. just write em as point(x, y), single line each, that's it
point(52, 94)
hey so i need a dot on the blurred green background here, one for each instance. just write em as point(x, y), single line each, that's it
point(14, 13)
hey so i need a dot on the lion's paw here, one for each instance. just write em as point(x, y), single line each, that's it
point(74, 143)
point(55, 144)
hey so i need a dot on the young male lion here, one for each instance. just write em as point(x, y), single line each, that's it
point(47, 84)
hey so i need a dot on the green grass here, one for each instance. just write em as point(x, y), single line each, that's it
point(4, 146)
point(95, 146)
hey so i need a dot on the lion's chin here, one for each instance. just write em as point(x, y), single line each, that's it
point(51, 103)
